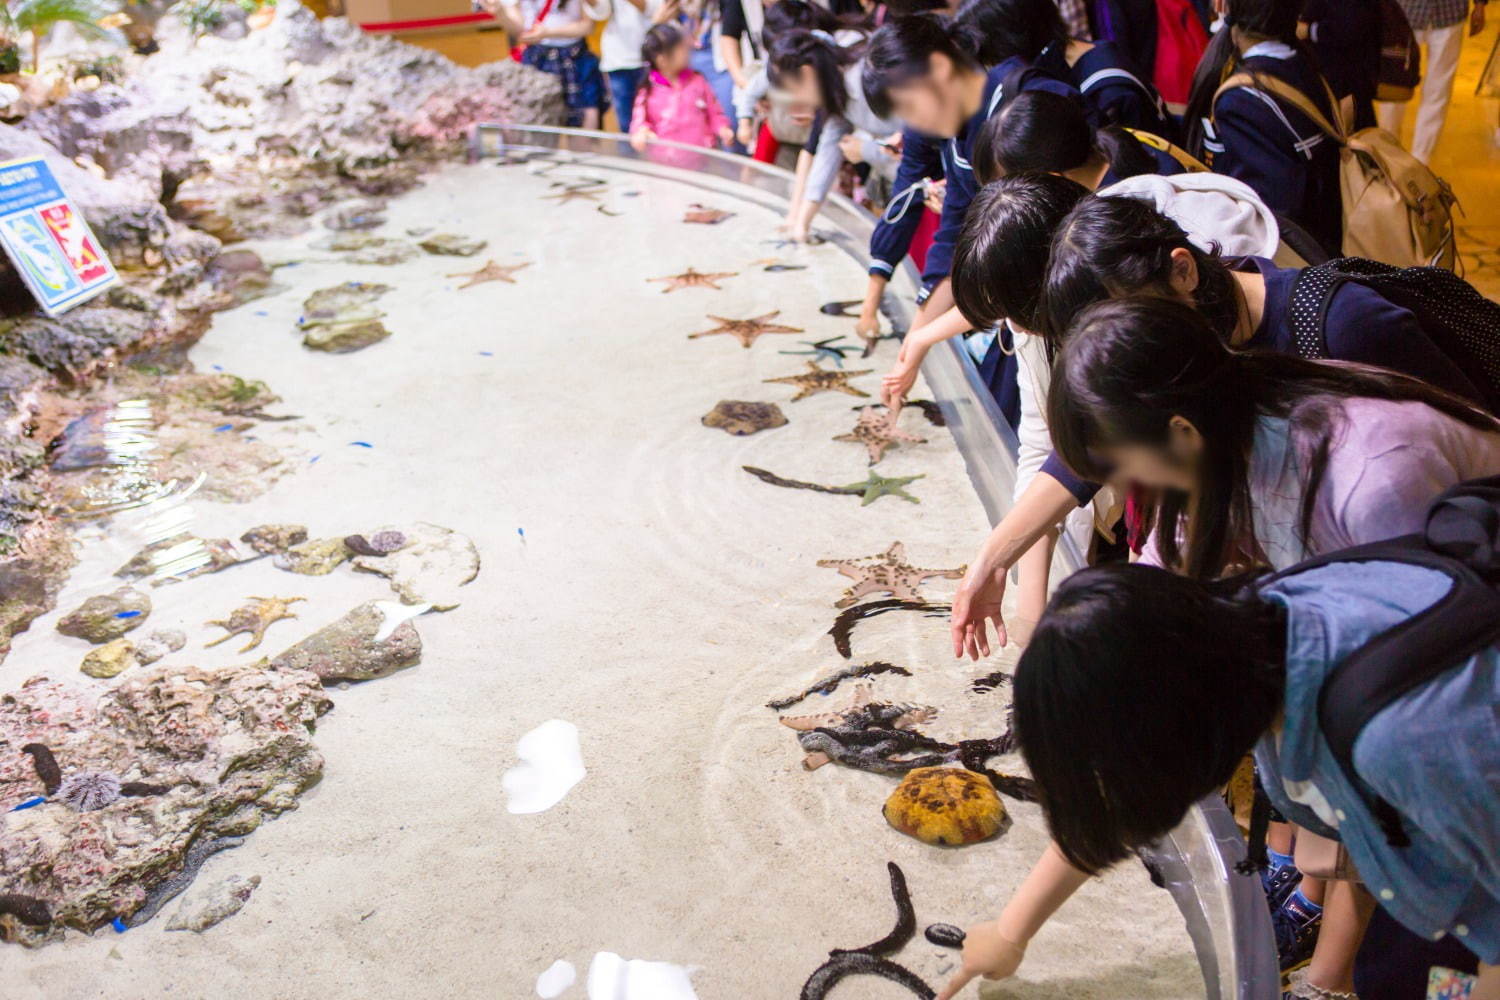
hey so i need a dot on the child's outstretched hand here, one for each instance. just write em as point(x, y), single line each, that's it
point(987, 953)
point(746, 134)
point(726, 136)
point(639, 138)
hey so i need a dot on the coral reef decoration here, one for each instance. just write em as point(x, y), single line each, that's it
point(817, 379)
point(827, 349)
point(491, 271)
point(741, 418)
point(27, 909)
point(693, 279)
point(705, 216)
point(107, 616)
point(380, 543)
point(452, 245)
point(870, 960)
point(843, 626)
point(219, 902)
point(876, 429)
point(359, 646)
point(945, 806)
point(747, 330)
point(830, 683)
point(887, 573)
point(431, 568)
point(88, 790)
point(254, 618)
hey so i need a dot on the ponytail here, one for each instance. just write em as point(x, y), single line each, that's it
point(660, 40)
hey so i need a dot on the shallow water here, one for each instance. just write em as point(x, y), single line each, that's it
point(635, 583)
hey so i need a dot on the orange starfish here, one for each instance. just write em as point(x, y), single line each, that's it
point(821, 380)
point(746, 330)
point(693, 279)
point(491, 271)
point(877, 431)
point(887, 573)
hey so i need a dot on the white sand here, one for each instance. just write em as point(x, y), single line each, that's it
point(660, 596)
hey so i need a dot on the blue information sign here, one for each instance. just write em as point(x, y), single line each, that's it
point(47, 238)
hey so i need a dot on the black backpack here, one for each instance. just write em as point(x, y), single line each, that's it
point(1462, 541)
point(1461, 322)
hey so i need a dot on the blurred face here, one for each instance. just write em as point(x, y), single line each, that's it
point(801, 87)
point(933, 103)
point(1173, 465)
point(675, 59)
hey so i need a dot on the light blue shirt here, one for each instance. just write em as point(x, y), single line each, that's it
point(1433, 754)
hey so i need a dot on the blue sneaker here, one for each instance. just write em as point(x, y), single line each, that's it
point(1279, 881)
point(1296, 923)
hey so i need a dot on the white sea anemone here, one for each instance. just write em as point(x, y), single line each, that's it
point(88, 790)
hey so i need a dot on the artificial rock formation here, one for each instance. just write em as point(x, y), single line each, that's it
point(228, 747)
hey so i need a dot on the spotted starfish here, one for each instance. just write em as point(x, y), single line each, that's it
point(821, 380)
point(570, 194)
point(703, 215)
point(746, 330)
point(876, 486)
point(693, 279)
point(491, 271)
point(828, 348)
point(886, 573)
point(877, 431)
point(254, 618)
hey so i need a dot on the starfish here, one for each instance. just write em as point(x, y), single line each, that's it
point(706, 216)
point(828, 348)
point(821, 380)
point(693, 279)
point(746, 330)
point(254, 618)
point(876, 486)
point(491, 271)
point(877, 431)
point(886, 573)
point(569, 194)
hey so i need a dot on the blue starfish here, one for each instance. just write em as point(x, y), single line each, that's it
point(829, 349)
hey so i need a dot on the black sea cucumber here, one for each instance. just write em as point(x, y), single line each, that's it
point(987, 683)
point(945, 935)
point(830, 684)
point(797, 484)
point(141, 789)
point(858, 963)
point(930, 410)
point(168, 890)
point(27, 909)
point(843, 626)
point(906, 920)
point(46, 766)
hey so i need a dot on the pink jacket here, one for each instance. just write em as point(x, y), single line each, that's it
point(685, 111)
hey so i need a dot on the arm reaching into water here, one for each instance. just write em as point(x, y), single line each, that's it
point(1036, 511)
point(994, 949)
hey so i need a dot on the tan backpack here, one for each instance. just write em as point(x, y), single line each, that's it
point(1396, 210)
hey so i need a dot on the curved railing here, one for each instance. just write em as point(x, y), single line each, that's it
point(1225, 912)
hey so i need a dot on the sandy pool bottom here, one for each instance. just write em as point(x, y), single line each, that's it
point(635, 583)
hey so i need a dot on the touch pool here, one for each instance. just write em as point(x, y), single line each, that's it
point(545, 400)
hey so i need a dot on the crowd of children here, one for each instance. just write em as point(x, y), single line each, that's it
point(1139, 215)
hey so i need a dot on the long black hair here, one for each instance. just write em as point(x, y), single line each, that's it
point(1109, 247)
point(1266, 19)
point(828, 60)
point(1138, 694)
point(1000, 29)
point(1001, 257)
point(1038, 130)
point(902, 50)
point(1130, 365)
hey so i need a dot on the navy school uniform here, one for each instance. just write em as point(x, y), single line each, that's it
point(1346, 35)
point(1114, 91)
point(1166, 165)
point(1361, 326)
point(921, 159)
point(1281, 153)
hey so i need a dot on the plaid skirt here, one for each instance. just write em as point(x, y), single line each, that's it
point(578, 68)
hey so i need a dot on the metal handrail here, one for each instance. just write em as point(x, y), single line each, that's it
point(1225, 912)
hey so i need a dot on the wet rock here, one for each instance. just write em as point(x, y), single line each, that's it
point(29, 583)
point(361, 248)
point(230, 745)
point(110, 660)
point(379, 544)
point(213, 904)
point(160, 643)
point(431, 568)
point(453, 245)
point(353, 648)
point(345, 338)
point(269, 539)
point(353, 300)
point(237, 277)
point(317, 557)
point(359, 216)
point(74, 342)
point(180, 557)
point(82, 444)
point(107, 616)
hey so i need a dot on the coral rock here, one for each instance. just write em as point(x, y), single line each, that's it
point(452, 245)
point(740, 418)
point(206, 907)
point(351, 649)
point(110, 659)
point(107, 616)
point(158, 644)
point(269, 539)
point(345, 338)
point(180, 557)
point(318, 557)
point(945, 805)
point(233, 743)
point(430, 569)
point(381, 543)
